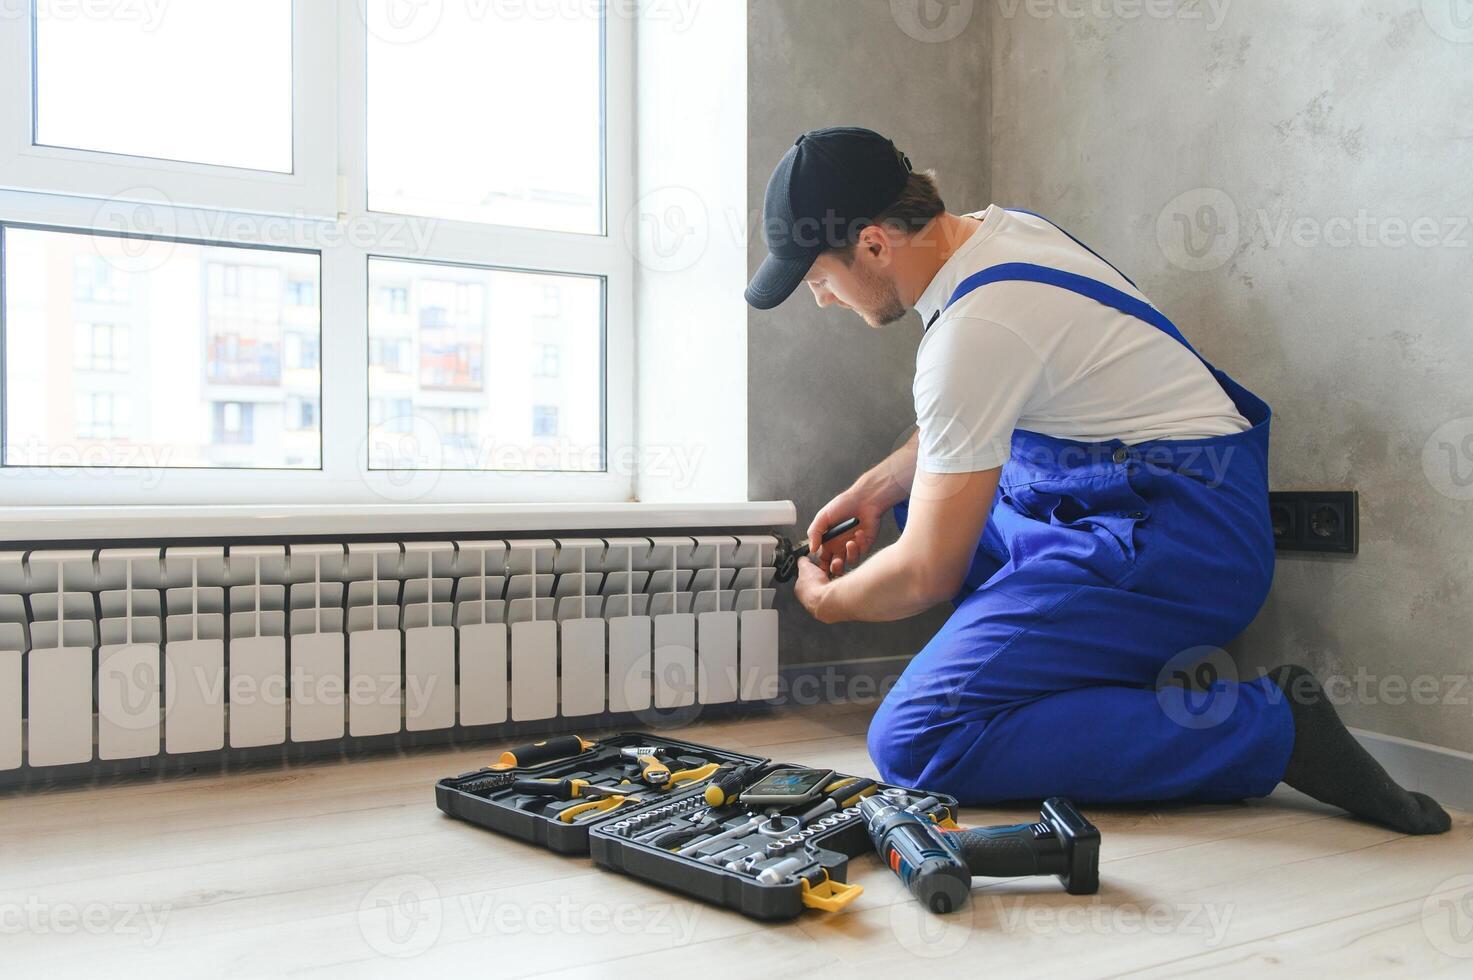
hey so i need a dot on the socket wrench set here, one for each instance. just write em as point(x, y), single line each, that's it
point(764, 838)
point(768, 839)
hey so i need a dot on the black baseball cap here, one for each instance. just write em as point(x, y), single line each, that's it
point(829, 187)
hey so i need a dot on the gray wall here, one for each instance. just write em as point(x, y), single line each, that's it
point(829, 396)
point(1314, 137)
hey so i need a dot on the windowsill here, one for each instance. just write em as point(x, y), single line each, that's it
point(32, 524)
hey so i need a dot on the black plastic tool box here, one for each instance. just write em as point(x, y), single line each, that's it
point(472, 796)
point(634, 836)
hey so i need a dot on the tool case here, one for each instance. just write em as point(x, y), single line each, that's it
point(763, 861)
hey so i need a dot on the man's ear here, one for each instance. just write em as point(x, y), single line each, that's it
point(876, 245)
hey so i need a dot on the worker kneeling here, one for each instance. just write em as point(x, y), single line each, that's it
point(1088, 491)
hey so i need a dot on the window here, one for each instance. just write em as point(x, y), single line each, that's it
point(101, 347)
point(101, 415)
point(428, 154)
point(330, 248)
point(472, 326)
point(234, 423)
point(549, 361)
point(301, 292)
point(210, 318)
point(301, 414)
point(544, 421)
point(236, 55)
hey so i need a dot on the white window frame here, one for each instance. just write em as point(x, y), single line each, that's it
point(62, 188)
point(307, 191)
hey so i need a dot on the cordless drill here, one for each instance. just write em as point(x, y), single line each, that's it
point(937, 865)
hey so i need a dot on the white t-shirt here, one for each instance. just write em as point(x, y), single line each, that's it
point(1033, 356)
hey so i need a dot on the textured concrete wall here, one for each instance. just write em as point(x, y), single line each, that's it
point(829, 396)
point(1291, 183)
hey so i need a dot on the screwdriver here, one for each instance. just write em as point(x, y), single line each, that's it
point(727, 783)
point(562, 789)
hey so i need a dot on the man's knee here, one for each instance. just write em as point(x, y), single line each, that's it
point(892, 743)
point(906, 734)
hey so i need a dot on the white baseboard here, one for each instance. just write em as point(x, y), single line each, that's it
point(1446, 775)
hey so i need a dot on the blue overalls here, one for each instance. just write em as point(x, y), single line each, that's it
point(1101, 564)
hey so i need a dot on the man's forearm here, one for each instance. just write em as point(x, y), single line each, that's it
point(889, 483)
point(891, 585)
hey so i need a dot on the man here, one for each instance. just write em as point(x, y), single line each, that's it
point(1090, 494)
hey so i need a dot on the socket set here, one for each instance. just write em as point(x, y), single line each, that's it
point(766, 858)
point(764, 838)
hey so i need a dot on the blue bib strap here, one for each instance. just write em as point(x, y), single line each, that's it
point(1083, 285)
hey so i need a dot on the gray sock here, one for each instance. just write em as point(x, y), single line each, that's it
point(1330, 765)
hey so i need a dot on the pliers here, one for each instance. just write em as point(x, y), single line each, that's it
point(594, 806)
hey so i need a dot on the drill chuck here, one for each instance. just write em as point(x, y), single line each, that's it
point(914, 848)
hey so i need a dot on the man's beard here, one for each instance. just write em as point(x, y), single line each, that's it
point(881, 304)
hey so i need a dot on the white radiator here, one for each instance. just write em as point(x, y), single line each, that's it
point(126, 653)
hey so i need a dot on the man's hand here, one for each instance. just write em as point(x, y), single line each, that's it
point(926, 566)
point(812, 589)
point(872, 495)
point(847, 550)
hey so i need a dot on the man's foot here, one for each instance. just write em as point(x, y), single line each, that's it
point(1330, 765)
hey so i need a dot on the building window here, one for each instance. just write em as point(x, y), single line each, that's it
point(549, 361)
point(101, 415)
point(102, 347)
point(301, 292)
point(234, 423)
point(544, 421)
point(301, 414)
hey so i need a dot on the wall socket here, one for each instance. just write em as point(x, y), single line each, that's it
point(1316, 521)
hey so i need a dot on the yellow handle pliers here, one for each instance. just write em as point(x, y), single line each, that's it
point(603, 805)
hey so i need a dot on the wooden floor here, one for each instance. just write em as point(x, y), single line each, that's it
point(348, 870)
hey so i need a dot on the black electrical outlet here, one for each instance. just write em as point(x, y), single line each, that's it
point(1316, 521)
